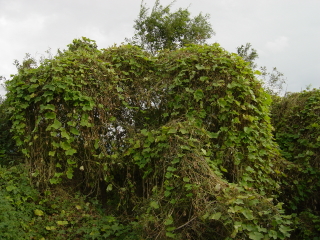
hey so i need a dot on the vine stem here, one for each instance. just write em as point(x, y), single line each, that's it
point(186, 223)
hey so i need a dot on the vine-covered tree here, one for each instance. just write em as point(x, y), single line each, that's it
point(163, 29)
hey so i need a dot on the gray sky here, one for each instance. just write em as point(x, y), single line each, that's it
point(286, 33)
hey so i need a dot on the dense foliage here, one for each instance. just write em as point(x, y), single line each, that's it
point(9, 152)
point(296, 118)
point(159, 139)
point(179, 144)
point(55, 214)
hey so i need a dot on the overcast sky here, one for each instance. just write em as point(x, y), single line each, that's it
point(286, 33)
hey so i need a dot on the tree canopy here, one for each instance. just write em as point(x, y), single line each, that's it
point(163, 29)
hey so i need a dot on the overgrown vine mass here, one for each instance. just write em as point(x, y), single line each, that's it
point(161, 138)
point(180, 142)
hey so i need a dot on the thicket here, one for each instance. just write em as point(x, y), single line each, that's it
point(179, 143)
point(26, 213)
point(296, 119)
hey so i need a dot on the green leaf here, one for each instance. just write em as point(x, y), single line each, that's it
point(169, 175)
point(87, 108)
point(170, 235)
point(205, 216)
point(54, 180)
point(257, 72)
point(64, 134)
point(200, 67)
point(48, 106)
point(10, 188)
point(167, 193)
point(285, 230)
point(65, 145)
point(171, 169)
point(247, 214)
point(154, 205)
point(62, 223)
point(247, 130)
point(38, 212)
point(50, 115)
point(170, 229)
point(137, 144)
point(74, 131)
point(204, 151)
point(168, 221)
point(70, 173)
point(216, 216)
point(109, 187)
point(56, 124)
point(70, 162)
point(183, 131)
point(222, 102)
point(273, 234)
point(223, 169)
point(203, 78)
point(185, 147)
point(186, 179)
point(96, 144)
point(144, 132)
point(198, 95)
point(256, 236)
point(213, 135)
point(119, 89)
point(172, 130)
point(112, 119)
point(50, 228)
point(85, 120)
point(188, 186)
point(52, 153)
point(70, 152)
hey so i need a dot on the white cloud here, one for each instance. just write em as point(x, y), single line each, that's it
point(278, 45)
point(3, 21)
